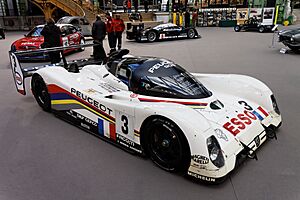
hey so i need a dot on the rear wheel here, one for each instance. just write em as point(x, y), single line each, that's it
point(191, 33)
point(237, 28)
point(151, 36)
point(167, 146)
point(40, 92)
point(261, 29)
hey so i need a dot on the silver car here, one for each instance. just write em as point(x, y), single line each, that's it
point(80, 23)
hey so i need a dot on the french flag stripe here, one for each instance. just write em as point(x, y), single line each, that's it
point(112, 130)
point(100, 126)
point(263, 111)
point(257, 115)
point(106, 129)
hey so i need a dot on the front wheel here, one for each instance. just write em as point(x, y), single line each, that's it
point(82, 41)
point(151, 36)
point(167, 146)
point(191, 33)
point(40, 92)
point(261, 29)
point(237, 28)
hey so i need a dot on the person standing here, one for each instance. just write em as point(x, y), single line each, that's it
point(187, 18)
point(125, 6)
point(129, 6)
point(52, 38)
point(146, 3)
point(98, 34)
point(119, 27)
point(110, 33)
point(195, 18)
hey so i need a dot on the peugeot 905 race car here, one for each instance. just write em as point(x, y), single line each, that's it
point(200, 124)
point(160, 32)
point(290, 38)
point(34, 40)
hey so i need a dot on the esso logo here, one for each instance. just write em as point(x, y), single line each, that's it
point(240, 122)
point(18, 78)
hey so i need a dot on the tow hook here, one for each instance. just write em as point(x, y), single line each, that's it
point(271, 133)
point(247, 152)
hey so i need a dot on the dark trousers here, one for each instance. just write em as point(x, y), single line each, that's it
point(99, 52)
point(54, 57)
point(119, 39)
point(111, 40)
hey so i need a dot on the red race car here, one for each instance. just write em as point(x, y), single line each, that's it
point(33, 40)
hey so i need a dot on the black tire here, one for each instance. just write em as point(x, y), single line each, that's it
point(191, 33)
point(152, 36)
point(261, 29)
point(167, 146)
point(294, 49)
point(40, 92)
point(237, 28)
point(82, 41)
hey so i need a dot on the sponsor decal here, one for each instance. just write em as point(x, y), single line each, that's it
point(240, 122)
point(200, 159)
point(257, 141)
point(204, 178)
point(128, 143)
point(260, 113)
point(221, 134)
point(108, 87)
point(91, 101)
point(164, 63)
point(133, 95)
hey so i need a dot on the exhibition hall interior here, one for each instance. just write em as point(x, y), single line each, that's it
point(149, 99)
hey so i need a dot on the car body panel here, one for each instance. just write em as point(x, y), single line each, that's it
point(80, 23)
point(33, 41)
point(163, 31)
point(290, 38)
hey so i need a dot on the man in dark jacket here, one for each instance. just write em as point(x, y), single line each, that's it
point(98, 34)
point(52, 38)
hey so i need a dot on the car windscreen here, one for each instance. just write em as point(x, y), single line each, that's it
point(36, 32)
point(177, 83)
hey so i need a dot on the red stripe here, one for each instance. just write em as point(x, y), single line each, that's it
point(170, 101)
point(55, 89)
point(112, 131)
point(263, 111)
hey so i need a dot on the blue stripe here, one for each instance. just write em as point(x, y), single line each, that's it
point(258, 115)
point(100, 126)
point(60, 96)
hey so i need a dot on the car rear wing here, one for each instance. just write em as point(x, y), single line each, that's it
point(20, 74)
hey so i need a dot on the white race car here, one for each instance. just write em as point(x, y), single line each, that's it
point(200, 124)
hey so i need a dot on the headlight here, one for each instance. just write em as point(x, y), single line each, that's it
point(275, 106)
point(215, 152)
point(292, 39)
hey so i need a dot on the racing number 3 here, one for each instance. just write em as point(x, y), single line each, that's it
point(124, 127)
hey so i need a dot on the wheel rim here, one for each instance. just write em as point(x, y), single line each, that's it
point(82, 42)
point(191, 33)
point(165, 146)
point(236, 28)
point(261, 29)
point(151, 36)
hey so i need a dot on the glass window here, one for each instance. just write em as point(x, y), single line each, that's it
point(36, 32)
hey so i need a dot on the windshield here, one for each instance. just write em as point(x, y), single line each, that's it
point(178, 84)
point(36, 32)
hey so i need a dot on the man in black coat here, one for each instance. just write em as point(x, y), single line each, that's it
point(98, 34)
point(52, 38)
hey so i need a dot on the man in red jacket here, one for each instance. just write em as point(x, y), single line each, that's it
point(110, 33)
point(119, 27)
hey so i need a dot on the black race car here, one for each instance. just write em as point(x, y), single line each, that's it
point(2, 34)
point(253, 25)
point(290, 38)
point(160, 32)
